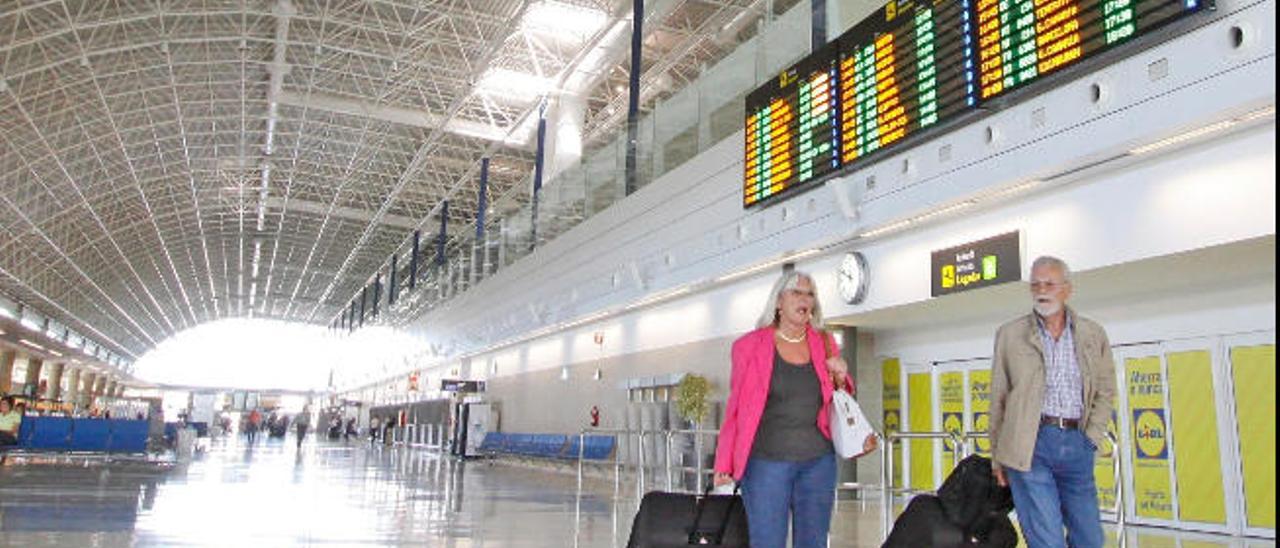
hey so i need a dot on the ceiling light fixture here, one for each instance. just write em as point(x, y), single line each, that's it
point(36, 346)
point(1205, 130)
point(892, 227)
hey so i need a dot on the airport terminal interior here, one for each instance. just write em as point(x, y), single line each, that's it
point(471, 273)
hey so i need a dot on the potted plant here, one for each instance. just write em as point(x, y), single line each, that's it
point(691, 398)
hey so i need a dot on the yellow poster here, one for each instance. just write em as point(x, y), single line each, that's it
point(951, 385)
point(980, 407)
point(1104, 468)
point(920, 419)
point(892, 372)
point(1193, 418)
point(1153, 495)
point(1253, 371)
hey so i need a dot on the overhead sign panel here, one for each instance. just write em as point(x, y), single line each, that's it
point(978, 264)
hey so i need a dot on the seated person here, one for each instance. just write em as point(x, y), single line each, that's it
point(10, 421)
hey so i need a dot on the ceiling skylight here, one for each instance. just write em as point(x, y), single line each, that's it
point(511, 85)
point(562, 21)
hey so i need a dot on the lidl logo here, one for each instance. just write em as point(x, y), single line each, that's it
point(948, 276)
point(891, 422)
point(1150, 434)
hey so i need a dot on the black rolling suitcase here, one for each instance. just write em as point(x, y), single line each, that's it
point(971, 510)
point(668, 520)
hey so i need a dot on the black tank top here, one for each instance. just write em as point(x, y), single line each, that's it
point(788, 429)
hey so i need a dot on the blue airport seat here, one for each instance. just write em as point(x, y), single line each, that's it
point(493, 442)
point(25, 430)
point(594, 448)
point(90, 434)
point(50, 432)
point(128, 436)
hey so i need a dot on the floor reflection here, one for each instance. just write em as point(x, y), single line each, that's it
point(335, 494)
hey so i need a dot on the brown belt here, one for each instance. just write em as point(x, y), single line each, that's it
point(1059, 422)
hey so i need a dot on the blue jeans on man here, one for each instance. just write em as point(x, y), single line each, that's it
point(1059, 491)
point(801, 493)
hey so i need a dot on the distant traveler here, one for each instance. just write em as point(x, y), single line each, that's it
point(351, 430)
point(301, 423)
point(1052, 381)
point(776, 438)
point(373, 429)
point(10, 422)
point(255, 422)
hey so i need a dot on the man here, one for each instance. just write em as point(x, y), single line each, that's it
point(1052, 382)
point(301, 423)
point(10, 421)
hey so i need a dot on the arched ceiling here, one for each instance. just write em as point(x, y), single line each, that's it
point(165, 163)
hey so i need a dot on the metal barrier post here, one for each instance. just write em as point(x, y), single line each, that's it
point(669, 435)
point(1117, 470)
point(577, 507)
point(640, 464)
point(886, 498)
point(697, 459)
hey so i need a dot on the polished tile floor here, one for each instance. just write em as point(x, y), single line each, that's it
point(332, 494)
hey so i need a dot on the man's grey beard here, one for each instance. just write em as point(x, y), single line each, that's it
point(1046, 309)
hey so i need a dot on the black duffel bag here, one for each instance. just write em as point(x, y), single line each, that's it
point(668, 520)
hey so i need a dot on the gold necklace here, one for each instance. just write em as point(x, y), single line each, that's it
point(784, 336)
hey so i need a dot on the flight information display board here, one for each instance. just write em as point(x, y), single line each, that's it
point(1021, 40)
point(792, 133)
point(901, 70)
point(915, 64)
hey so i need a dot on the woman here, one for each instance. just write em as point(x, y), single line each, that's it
point(776, 437)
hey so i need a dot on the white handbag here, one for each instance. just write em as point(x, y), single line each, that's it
point(849, 426)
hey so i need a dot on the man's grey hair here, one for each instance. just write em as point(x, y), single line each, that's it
point(1053, 262)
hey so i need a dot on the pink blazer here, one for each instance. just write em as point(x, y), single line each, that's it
point(749, 391)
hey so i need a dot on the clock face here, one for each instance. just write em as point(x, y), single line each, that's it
point(851, 278)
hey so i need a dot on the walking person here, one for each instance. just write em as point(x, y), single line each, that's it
point(1052, 384)
point(255, 422)
point(301, 423)
point(776, 437)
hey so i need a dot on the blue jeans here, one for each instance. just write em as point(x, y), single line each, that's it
point(801, 493)
point(1058, 491)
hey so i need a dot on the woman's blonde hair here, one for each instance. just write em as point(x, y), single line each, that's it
point(789, 280)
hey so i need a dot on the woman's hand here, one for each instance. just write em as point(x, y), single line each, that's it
point(870, 444)
point(723, 479)
point(840, 373)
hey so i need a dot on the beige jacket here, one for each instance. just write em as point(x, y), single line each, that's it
point(1018, 385)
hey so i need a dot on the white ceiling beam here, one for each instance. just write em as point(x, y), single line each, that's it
point(340, 212)
point(405, 116)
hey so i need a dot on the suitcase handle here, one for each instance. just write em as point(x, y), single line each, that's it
point(695, 536)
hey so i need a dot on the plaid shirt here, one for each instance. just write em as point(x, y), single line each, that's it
point(1064, 388)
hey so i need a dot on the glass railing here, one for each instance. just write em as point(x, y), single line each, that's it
point(702, 114)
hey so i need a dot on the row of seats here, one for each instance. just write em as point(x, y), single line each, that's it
point(554, 446)
point(91, 435)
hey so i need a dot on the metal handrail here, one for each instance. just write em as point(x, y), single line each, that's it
point(886, 470)
point(697, 469)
